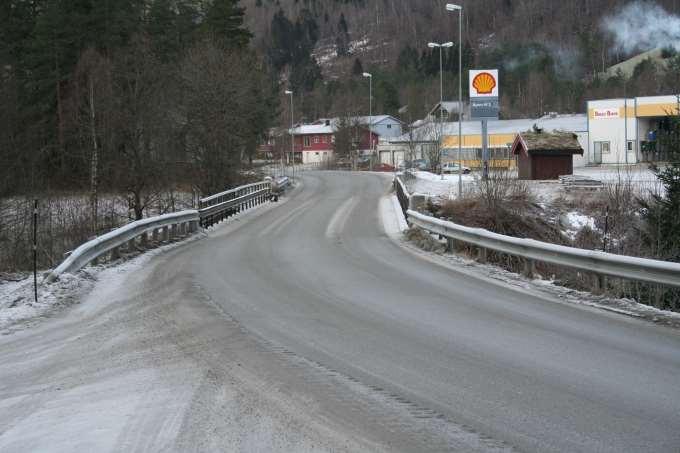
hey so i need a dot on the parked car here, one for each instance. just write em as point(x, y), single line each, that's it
point(452, 167)
point(383, 167)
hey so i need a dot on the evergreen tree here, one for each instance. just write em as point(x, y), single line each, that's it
point(661, 213)
point(342, 38)
point(162, 29)
point(357, 67)
point(282, 41)
point(224, 20)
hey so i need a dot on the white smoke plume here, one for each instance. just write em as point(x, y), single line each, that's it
point(644, 26)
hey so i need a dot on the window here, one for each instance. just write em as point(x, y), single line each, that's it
point(389, 126)
point(316, 139)
point(605, 148)
point(306, 140)
point(631, 145)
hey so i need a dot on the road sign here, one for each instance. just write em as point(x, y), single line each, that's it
point(484, 104)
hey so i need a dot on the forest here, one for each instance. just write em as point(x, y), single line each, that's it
point(128, 96)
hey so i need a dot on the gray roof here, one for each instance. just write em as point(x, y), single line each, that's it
point(320, 127)
point(549, 123)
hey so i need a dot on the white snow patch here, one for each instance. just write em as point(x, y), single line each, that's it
point(577, 222)
point(439, 186)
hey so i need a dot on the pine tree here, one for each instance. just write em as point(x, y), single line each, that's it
point(224, 20)
point(661, 213)
point(357, 67)
point(342, 38)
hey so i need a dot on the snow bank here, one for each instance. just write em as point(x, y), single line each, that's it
point(438, 186)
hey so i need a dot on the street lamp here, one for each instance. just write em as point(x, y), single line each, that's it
point(292, 134)
point(454, 7)
point(370, 113)
point(433, 45)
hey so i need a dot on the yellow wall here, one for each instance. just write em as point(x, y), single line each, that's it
point(475, 141)
point(657, 110)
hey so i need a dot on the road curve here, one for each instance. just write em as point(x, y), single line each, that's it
point(377, 348)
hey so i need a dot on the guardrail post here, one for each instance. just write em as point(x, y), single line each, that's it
point(529, 268)
point(449, 245)
point(481, 255)
point(154, 235)
point(115, 253)
point(132, 245)
point(173, 232)
point(600, 284)
point(194, 226)
point(166, 234)
point(144, 240)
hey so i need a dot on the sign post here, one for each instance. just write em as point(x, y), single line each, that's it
point(484, 105)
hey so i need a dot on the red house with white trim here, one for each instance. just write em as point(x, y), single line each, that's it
point(314, 142)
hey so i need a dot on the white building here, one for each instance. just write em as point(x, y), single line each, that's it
point(501, 134)
point(624, 131)
point(385, 126)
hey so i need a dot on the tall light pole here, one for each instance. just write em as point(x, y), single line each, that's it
point(454, 7)
point(370, 113)
point(433, 45)
point(292, 130)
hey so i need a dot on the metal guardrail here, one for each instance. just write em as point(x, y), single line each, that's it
point(167, 227)
point(215, 208)
point(279, 184)
point(627, 267)
point(402, 194)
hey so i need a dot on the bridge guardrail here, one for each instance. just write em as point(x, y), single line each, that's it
point(166, 227)
point(627, 267)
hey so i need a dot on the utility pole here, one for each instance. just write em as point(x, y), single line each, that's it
point(454, 7)
point(433, 45)
point(292, 130)
point(370, 114)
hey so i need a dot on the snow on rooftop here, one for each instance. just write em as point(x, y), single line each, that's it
point(550, 123)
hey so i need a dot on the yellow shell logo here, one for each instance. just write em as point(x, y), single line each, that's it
point(484, 83)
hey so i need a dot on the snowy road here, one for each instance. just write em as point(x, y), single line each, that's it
point(307, 329)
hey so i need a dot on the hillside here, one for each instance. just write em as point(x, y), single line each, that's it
point(548, 52)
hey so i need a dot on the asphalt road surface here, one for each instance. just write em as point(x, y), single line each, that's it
point(305, 327)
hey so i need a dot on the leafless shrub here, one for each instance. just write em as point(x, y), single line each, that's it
point(64, 222)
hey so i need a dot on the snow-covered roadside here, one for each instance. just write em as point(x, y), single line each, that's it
point(18, 310)
point(444, 186)
point(546, 289)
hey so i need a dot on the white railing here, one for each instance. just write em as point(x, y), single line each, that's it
point(628, 267)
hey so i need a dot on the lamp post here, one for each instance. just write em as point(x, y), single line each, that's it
point(454, 7)
point(433, 45)
point(370, 113)
point(292, 133)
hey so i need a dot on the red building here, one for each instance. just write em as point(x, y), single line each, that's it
point(314, 142)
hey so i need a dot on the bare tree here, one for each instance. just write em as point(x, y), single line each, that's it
point(224, 108)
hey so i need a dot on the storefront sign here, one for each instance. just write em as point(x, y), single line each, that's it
point(484, 104)
point(606, 114)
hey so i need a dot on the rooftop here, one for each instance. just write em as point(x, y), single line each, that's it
point(557, 142)
point(549, 123)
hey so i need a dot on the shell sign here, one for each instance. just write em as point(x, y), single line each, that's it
point(484, 83)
